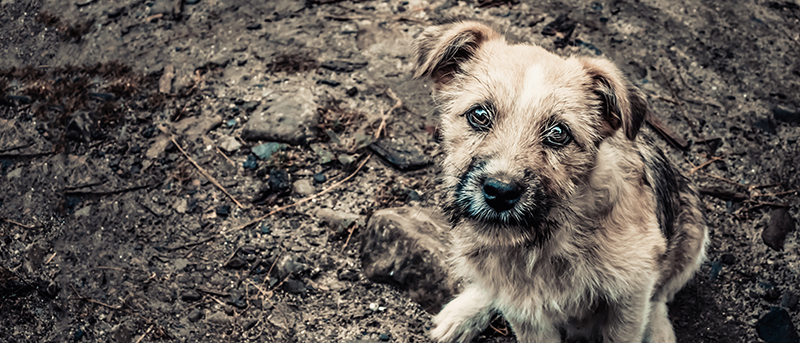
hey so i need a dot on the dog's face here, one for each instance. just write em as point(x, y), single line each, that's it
point(521, 127)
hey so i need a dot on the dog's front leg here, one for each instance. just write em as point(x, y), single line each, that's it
point(628, 318)
point(465, 317)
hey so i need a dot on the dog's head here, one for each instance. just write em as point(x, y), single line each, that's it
point(521, 126)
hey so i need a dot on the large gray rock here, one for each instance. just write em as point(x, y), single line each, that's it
point(291, 119)
point(407, 247)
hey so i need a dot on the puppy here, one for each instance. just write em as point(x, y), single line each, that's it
point(562, 220)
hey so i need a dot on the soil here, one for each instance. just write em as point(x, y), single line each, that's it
point(109, 232)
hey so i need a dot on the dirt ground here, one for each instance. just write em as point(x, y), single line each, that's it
point(110, 232)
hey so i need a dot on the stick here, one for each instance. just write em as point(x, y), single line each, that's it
point(309, 198)
point(93, 301)
point(712, 160)
point(145, 334)
point(203, 171)
point(775, 194)
point(18, 224)
point(667, 133)
point(397, 104)
point(226, 157)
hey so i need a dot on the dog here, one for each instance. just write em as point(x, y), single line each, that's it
point(564, 219)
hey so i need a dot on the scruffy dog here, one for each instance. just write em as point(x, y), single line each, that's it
point(563, 221)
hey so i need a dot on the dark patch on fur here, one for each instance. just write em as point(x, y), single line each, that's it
point(667, 184)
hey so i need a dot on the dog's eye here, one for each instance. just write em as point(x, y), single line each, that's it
point(479, 118)
point(558, 135)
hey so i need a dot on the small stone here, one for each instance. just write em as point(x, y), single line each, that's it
point(399, 154)
point(342, 66)
point(195, 315)
point(231, 122)
point(789, 300)
point(191, 2)
point(219, 318)
point(728, 259)
point(279, 182)
point(254, 26)
point(292, 118)
point(336, 219)
point(251, 162)
point(352, 91)
point(779, 226)
point(303, 187)
point(786, 114)
point(320, 178)
point(349, 275)
point(384, 337)
point(224, 210)
point(294, 286)
point(776, 327)
point(229, 144)
point(772, 294)
point(190, 295)
point(265, 229)
point(235, 263)
point(266, 150)
point(331, 83)
point(102, 96)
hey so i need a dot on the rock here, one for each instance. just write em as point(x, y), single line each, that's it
point(80, 127)
point(219, 318)
point(229, 144)
point(165, 82)
point(253, 26)
point(294, 286)
point(279, 182)
point(786, 114)
point(303, 187)
point(772, 294)
point(400, 154)
point(190, 295)
point(728, 259)
point(384, 337)
point(407, 247)
point(776, 327)
point(779, 226)
point(266, 150)
point(331, 83)
point(197, 126)
point(789, 300)
point(181, 206)
point(352, 91)
point(292, 265)
point(336, 219)
point(236, 263)
point(290, 119)
point(195, 315)
point(343, 66)
point(251, 162)
point(320, 178)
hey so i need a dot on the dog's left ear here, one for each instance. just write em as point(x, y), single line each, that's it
point(441, 51)
point(623, 104)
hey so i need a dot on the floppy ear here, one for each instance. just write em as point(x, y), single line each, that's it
point(623, 105)
point(441, 50)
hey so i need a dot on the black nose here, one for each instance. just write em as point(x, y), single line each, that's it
point(501, 195)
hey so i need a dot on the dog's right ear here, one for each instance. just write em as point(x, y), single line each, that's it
point(441, 50)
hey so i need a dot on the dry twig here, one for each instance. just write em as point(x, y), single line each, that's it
point(712, 160)
point(397, 104)
point(204, 172)
point(17, 223)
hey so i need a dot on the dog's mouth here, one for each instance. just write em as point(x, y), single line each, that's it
point(499, 201)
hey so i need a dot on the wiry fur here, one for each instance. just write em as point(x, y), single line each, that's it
point(605, 231)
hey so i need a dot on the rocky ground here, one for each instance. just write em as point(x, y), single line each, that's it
point(184, 170)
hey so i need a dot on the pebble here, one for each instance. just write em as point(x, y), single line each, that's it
point(195, 315)
point(384, 337)
point(728, 259)
point(229, 144)
point(251, 162)
point(235, 263)
point(303, 187)
point(320, 178)
point(224, 210)
point(343, 66)
point(292, 118)
point(279, 182)
point(779, 226)
point(254, 26)
point(331, 83)
point(776, 327)
point(352, 91)
point(294, 286)
point(266, 150)
point(190, 295)
point(789, 300)
point(399, 154)
point(786, 114)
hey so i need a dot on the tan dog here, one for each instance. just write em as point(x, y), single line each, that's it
point(563, 221)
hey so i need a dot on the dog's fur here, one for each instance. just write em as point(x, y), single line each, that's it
point(603, 232)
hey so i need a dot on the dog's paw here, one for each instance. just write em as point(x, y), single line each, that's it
point(454, 326)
